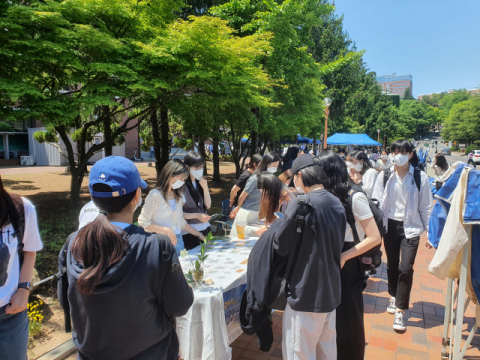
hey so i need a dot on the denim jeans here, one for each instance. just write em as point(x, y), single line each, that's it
point(13, 335)
point(180, 246)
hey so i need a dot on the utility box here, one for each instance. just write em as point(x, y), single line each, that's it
point(27, 160)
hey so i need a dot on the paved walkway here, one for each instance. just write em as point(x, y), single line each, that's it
point(423, 337)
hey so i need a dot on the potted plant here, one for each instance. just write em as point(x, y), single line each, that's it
point(197, 274)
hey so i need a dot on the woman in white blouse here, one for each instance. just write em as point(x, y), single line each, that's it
point(163, 209)
point(363, 173)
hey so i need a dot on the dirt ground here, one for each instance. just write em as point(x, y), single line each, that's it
point(49, 192)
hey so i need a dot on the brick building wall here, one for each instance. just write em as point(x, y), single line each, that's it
point(397, 87)
point(131, 141)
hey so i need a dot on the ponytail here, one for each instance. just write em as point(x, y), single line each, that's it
point(100, 245)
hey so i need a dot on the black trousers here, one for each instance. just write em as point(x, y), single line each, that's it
point(470, 161)
point(401, 253)
point(349, 315)
point(191, 241)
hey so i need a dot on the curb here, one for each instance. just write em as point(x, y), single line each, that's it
point(61, 352)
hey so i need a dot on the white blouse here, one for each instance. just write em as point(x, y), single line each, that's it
point(157, 211)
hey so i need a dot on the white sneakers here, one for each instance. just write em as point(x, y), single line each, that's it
point(398, 321)
point(391, 306)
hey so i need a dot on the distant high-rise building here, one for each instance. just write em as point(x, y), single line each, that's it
point(395, 84)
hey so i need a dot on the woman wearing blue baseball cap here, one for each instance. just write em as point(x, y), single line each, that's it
point(122, 285)
point(163, 209)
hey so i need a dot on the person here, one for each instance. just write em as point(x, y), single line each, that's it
point(470, 160)
point(286, 177)
point(292, 154)
point(112, 266)
point(152, 152)
point(439, 165)
point(406, 207)
point(271, 189)
point(349, 322)
point(383, 162)
point(163, 209)
point(198, 200)
point(243, 178)
point(16, 268)
point(363, 173)
point(88, 213)
point(314, 289)
point(248, 208)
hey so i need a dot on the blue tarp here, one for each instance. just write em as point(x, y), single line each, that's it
point(351, 139)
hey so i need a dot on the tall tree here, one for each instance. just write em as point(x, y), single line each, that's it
point(407, 95)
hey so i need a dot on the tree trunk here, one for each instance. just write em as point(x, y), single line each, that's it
point(201, 151)
point(253, 144)
point(156, 141)
point(216, 161)
point(74, 189)
point(107, 130)
point(164, 135)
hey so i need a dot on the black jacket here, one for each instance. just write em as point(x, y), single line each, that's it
point(315, 283)
point(128, 316)
point(263, 263)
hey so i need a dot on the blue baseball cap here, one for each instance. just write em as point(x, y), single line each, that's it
point(117, 172)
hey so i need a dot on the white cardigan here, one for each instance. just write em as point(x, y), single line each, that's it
point(157, 211)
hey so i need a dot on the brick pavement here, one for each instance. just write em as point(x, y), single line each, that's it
point(423, 337)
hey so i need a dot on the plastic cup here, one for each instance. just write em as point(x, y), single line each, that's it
point(241, 231)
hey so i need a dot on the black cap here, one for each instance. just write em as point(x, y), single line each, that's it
point(301, 162)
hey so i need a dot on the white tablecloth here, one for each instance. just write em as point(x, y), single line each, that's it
point(212, 322)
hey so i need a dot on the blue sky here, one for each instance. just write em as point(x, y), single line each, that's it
point(437, 42)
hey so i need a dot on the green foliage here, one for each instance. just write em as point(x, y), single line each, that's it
point(463, 121)
point(407, 95)
point(49, 136)
point(471, 147)
point(5, 127)
point(454, 148)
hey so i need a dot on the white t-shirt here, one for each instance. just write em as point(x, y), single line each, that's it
point(369, 179)
point(88, 213)
point(399, 190)
point(9, 260)
point(361, 211)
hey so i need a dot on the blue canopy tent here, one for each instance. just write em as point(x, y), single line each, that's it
point(351, 139)
point(302, 140)
point(310, 141)
point(244, 140)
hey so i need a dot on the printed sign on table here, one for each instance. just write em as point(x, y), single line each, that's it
point(232, 299)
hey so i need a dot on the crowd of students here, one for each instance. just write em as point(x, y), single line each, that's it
point(123, 284)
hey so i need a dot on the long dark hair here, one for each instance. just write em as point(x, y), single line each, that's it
point(10, 207)
point(271, 195)
point(292, 153)
point(269, 158)
point(99, 245)
point(441, 162)
point(336, 170)
point(193, 159)
point(414, 160)
point(254, 160)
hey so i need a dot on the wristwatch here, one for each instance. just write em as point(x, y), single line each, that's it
point(25, 285)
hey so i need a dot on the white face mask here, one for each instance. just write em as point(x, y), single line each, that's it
point(139, 203)
point(358, 167)
point(197, 174)
point(298, 188)
point(384, 157)
point(400, 159)
point(272, 170)
point(178, 184)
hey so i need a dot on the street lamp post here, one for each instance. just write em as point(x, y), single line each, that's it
point(327, 102)
point(378, 139)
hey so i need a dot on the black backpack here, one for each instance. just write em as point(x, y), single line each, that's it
point(371, 259)
point(417, 176)
point(281, 278)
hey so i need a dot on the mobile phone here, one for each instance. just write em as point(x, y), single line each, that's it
point(279, 215)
